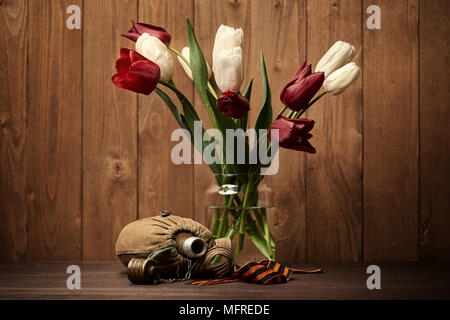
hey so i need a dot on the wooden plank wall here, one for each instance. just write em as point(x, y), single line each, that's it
point(161, 184)
point(333, 175)
point(80, 158)
point(434, 131)
point(391, 202)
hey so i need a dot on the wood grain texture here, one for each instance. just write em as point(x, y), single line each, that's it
point(334, 173)
point(13, 131)
point(43, 133)
point(80, 158)
point(434, 130)
point(391, 140)
point(108, 280)
point(109, 132)
point(55, 102)
point(162, 184)
point(284, 47)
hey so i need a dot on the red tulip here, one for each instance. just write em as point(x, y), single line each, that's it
point(294, 133)
point(138, 29)
point(233, 105)
point(135, 72)
point(299, 91)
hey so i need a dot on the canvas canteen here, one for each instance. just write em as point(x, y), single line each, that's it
point(171, 247)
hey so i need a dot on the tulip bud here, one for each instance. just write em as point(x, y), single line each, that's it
point(302, 87)
point(187, 69)
point(153, 49)
point(233, 105)
point(139, 29)
point(339, 54)
point(294, 133)
point(227, 58)
point(340, 79)
point(135, 72)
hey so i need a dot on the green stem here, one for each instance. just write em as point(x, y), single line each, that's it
point(223, 219)
point(243, 216)
point(223, 222)
point(238, 123)
point(282, 111)
point(298, 114)
point(244, 204)
point(211, 116)
point(178, 54)
point(232, 231)
point(171, 85)
point(211, 89)
point(258, 217)
point(290, 114)
point(215, 223)
point(267, 235)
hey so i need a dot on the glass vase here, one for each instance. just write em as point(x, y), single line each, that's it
point(239, 208)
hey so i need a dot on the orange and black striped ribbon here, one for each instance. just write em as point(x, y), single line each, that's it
point(264, 272)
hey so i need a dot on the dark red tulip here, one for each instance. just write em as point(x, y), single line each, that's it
point(138, 29)
point(299, 91)
point(135, 72)
point(294, 133)
point(233, 105)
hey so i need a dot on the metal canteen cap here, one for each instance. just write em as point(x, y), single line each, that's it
point(191, 246)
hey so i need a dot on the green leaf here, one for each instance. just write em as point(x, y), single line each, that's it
point(224, 123)
point(248, 90)
point(256, 237)
point(189, 125)
point(186, 121)
point(247, 94)
point(198, 64)
point(258, 218)
point(265, 115)
point(172, 107)
point(188, 108)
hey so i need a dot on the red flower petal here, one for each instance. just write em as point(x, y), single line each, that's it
point(302, 87)
point(122, 65)
point(233, 105)
point(293, 133)
point(138, 29)
point(140, 76)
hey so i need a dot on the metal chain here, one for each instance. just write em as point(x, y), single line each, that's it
point(188, 273)
point(178, 279)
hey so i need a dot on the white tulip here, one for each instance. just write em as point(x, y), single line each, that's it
point(155, 50)
point(228, 70)
point(227, 58)
point(187, 69)
point(340, 79)
point(339, 54)
point(227, 38)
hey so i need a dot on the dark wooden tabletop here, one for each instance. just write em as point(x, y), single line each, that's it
point(108, 280)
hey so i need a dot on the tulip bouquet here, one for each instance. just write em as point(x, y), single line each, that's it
point(150, 67)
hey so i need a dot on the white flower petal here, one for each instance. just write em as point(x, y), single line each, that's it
point(187, 69)
point(340, 79)
point(155, 50)
point(339, 54)
point(227, 58)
